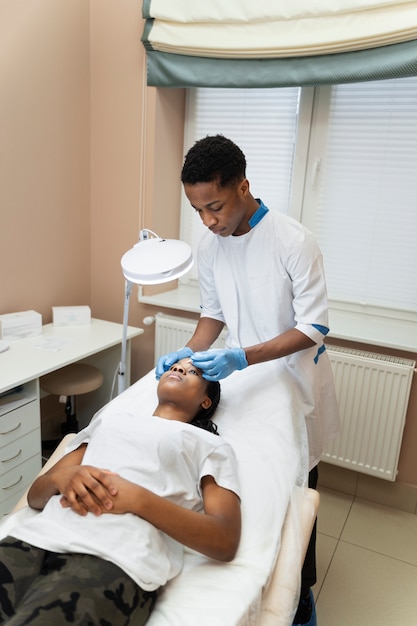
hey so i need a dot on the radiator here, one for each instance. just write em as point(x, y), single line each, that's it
point(372, 392)
point(172, 333)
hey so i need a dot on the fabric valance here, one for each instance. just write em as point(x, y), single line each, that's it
point(280, 42)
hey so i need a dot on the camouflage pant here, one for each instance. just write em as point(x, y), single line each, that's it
point(45, 588)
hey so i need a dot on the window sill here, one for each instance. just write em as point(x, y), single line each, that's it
point(186, 297)
point(373, 328)
point(358, 324)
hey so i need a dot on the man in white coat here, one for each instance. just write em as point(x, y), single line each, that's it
point(261, 274)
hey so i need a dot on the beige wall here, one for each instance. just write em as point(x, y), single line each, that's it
point(72, 87)
point(117, 97)
point(134, 169)
point(44, 148)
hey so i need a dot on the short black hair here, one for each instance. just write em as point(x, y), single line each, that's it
point(203, 418)
point(214, 159)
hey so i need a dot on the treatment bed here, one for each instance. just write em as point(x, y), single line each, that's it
point(261, 415)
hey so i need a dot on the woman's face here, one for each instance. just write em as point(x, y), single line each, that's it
point(183, 384)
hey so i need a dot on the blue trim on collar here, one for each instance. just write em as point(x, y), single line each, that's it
point(260, 212)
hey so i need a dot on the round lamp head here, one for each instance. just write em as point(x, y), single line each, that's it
point(155, 261)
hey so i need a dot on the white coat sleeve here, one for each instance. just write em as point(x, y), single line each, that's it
point(210, 305)
point(306, 270)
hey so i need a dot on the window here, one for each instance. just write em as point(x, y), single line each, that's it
point(340, 159)
point(362, 204)
point(263, 123)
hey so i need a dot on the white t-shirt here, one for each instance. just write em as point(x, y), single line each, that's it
point(168, 457)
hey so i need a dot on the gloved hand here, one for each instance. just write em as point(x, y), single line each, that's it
point(218, 364)
point(165, 361)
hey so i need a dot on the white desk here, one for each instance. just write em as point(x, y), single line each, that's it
point(22, 366)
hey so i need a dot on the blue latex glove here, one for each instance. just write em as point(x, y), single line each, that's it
point(167, 360)
point(218, 364)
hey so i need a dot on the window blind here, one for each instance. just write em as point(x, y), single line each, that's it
point(366, 214)
point(359, 181)
point(277, 44)
point(263, 124)
point(267, 29)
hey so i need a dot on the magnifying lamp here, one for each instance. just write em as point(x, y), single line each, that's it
point(152, 261)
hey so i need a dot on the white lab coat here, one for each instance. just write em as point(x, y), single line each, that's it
point(264, 283)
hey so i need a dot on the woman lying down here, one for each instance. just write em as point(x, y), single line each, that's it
point(116, 509)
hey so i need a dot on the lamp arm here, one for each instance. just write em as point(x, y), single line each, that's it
point(122, 366)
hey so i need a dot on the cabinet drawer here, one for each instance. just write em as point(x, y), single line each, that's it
point(18, 422)
point(8, 505)
point(20, 450)
point(14, 482)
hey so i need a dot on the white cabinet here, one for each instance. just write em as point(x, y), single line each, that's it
point(20, 443)
point(22, 366)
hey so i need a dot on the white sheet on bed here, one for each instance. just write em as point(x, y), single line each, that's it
point(261, 416)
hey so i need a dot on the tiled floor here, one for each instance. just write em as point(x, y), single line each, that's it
point(367, 563)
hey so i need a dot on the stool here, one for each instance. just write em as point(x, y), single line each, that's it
point(70, 381)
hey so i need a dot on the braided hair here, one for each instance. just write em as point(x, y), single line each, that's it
point(203, 418)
